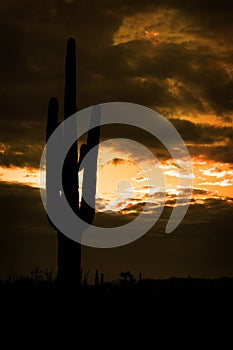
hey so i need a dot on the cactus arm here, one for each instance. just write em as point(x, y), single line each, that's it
point(83, 151)
point(87, 208)
point(70, 174)
point(52, 192)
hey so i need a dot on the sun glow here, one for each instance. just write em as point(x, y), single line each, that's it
point(18, 175)
point(121, 183)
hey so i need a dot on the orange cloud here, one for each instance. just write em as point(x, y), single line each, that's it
point(151, 35)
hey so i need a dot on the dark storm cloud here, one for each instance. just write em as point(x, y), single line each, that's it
point(202, 133)
point(21, 155)
point(33, 49)
point(26, 239)
point(200, 246)
point(207, 81)
point(213, 141)
point(217, 153)
point(156, 200)
point(175, 77)
point(22, 131)
point(33, 52)
point(22, 210)
point(21, 144)
point(196, 214)
point(204, 12)
point(144, 80)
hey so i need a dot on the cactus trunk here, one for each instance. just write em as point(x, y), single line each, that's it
point(69, 251)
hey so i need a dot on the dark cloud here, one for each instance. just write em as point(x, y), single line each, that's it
point(212, 141)
point(117, 161)
point(32, 59)
point(199, 191)
point(196, 74)
point(202, 133)
point(34, 46)
point(21, 155)
point(26, 239)
point(201, 246)
point(22, 211)
point(21, 143)
point(198, 245)
point(217, 153)
point(189, 72)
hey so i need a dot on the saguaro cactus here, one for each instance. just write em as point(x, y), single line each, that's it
point(97, 278)
point(69, 251)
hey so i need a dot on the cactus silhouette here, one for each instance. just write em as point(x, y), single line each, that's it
point(97, 278)
point(69, 251)
point(140, 277)
point(102, 278)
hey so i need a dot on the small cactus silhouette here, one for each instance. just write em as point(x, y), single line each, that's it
point(97, 278)
point(102, 278)
point(127, 278)
point(140, 277)
point(69, 252)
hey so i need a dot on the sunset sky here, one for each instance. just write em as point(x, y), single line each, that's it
point(175, 57)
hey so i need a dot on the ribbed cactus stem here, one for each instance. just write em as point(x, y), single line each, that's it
point(87, 208)
point(69, 251)
point(70, 173)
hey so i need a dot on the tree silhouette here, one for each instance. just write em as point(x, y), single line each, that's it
point(69, 251)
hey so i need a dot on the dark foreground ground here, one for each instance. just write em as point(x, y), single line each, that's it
point(188, 313)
